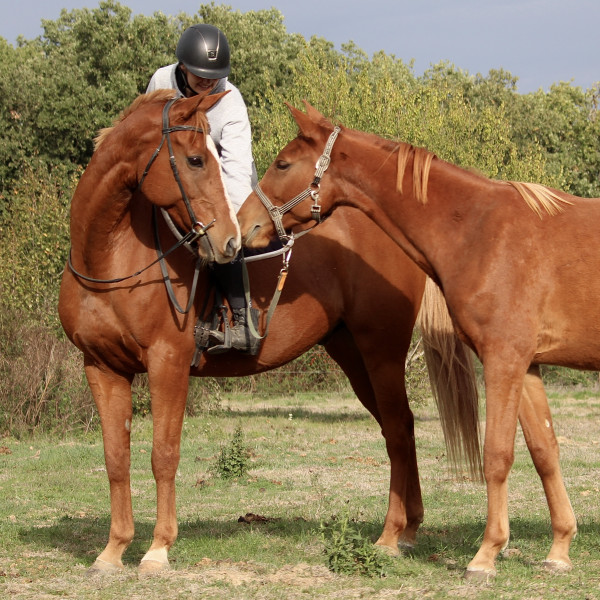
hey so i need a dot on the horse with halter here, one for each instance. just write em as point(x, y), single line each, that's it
point(359, 300)
point(517, 264)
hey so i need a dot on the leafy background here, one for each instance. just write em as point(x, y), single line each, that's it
point(59, 89)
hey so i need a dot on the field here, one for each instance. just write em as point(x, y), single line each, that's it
point(314, 461)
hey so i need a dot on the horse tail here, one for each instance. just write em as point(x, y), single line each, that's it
point(453, 381)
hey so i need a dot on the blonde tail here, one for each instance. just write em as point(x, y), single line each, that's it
point(453, 381)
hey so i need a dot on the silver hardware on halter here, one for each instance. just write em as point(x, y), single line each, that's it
point(323, 162)
point(276, 212)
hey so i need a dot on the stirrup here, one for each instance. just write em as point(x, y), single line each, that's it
point(224, 341)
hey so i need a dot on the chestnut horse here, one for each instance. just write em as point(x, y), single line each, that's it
point(517, 264)
point(359, 300)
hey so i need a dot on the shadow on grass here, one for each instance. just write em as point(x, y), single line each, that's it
point(299, 413)
point(449, 547)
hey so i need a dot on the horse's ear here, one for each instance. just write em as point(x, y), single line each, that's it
point(308, 127)
point(189, 106)
point(313, 113)
point(209, 101)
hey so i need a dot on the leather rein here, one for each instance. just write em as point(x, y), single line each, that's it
point(197, 232)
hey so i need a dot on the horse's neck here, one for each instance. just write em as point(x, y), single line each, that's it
point(101, 215)
point(419, 228)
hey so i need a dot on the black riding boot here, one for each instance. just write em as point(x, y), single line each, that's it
point(230, 280)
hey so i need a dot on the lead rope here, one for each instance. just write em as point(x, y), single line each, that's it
point(276, 295)
point(276, 213)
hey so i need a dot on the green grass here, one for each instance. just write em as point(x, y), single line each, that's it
point(311, 460)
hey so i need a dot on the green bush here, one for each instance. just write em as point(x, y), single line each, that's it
point(232, 462)
point(350, 552)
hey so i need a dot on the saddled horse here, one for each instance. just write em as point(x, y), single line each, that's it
point(517, 263)
point(359, 300)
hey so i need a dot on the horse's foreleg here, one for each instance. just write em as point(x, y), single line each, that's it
point(405, 512)
point(112, 394)
point(405, 509)
point(536, 423)
point(168, 389)
point(503, 394)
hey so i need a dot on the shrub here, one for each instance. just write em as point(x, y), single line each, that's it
point(232, 462)
point(349, 552)
point(42, 382)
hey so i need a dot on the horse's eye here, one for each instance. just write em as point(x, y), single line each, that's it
point(195, 161)
point(282, 165)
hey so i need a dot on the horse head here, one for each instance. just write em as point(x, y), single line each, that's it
point(290, 192)
point(178, 170)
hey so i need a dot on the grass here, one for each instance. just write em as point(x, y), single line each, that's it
point(311, 459)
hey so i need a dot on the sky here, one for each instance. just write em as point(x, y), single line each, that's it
point(542, 42)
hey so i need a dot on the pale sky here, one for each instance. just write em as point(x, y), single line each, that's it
point(540, 41)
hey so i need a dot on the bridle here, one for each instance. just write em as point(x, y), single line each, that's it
point(197, 232)
point(313, 190)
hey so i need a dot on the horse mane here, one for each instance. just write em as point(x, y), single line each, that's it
point(421, 166)
point(539, 198)
point(162, 96)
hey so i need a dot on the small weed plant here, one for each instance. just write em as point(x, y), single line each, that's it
point(350, 552)
point(232, 462)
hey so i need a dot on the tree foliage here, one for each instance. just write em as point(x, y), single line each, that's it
point(59, 89)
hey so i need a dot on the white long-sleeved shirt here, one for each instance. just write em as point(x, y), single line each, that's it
point(229, 130)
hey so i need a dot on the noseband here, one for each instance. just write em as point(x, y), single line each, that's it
point(313, 190)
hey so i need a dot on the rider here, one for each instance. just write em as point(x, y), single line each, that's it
point(202, 68)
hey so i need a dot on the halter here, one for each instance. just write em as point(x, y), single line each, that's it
point(197, 231)
point(313, 190)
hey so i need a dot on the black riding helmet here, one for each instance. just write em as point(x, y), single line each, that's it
point(204, 51)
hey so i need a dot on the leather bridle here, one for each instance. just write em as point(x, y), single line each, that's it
point(198, 230)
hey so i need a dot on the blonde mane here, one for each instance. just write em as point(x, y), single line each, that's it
point(421, 165)
point(539, 198)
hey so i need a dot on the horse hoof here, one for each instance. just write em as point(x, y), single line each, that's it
point(480, 576)
point(389, 550)
point(557, 566)
point(151, 567)
point(103, 567)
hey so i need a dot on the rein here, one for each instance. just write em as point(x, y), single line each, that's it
point(276, 212)
point(198, 230)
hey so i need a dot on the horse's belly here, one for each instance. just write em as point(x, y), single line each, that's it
point(573, 343)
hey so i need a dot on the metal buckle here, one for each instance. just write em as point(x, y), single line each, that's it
point(196, 233)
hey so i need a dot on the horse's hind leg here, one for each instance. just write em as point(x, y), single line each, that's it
point(168, 390)
point(112, 394)
point(536, 423)
point(381, 390)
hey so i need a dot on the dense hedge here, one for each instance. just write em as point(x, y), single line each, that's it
point(58, 90)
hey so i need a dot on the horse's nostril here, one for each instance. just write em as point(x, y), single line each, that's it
point(232, 247)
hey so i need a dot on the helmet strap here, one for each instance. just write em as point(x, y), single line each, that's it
point(182, 82)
